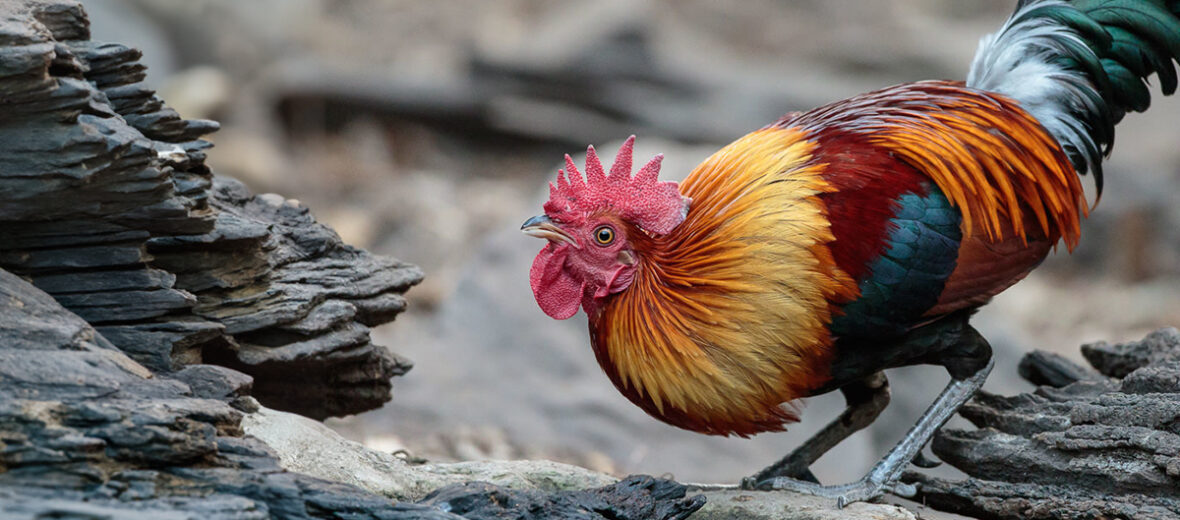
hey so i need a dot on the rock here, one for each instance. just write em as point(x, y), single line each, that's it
point(1052, 369)
point(86, 431)
point(107, 205)
point(1084, 445)
point(1122, 359)
point(636, 497)
point(752, 505)
point(214, 382)
point(309, 447)
point(297, 301)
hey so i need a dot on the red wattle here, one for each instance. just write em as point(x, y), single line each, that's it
point(558, 293)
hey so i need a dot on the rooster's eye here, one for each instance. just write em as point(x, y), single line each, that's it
point(604, 235)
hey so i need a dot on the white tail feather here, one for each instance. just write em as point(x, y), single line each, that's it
point(1019, 62)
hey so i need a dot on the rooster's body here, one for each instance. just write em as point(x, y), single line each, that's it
point(874, 246)
point(773, 270)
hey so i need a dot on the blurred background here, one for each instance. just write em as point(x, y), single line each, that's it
point(428, 130)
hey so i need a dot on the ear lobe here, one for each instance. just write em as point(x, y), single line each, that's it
point(609, 287)
point(626, 257)
point(556, 291)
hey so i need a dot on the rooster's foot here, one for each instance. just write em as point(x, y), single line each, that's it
point(883, 476)
point(863, 490)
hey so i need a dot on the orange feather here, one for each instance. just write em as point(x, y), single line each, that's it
point(994, 162)
point(727, 317)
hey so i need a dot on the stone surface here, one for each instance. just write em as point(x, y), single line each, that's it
point(87, 432)
point(637, 497)
point(1088, 444)
point(107, 205)
point(309, 447)
point(750, 505)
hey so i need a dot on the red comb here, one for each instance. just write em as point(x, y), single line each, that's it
point(643, 200)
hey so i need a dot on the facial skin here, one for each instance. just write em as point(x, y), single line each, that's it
point(606, 261)
point(583, 262)
point(592, 224)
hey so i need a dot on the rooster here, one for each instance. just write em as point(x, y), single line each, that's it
point(810, 255)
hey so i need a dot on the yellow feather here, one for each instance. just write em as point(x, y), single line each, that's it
point(726, 317)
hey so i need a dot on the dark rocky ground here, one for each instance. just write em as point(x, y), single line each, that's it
point(1088, 443)
point(147, 305)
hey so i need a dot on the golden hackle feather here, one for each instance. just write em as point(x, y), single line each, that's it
point(726, 318)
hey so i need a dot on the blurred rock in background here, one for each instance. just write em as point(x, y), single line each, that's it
point(430, 128)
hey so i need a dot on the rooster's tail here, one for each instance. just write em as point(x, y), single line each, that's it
point(1079, 66)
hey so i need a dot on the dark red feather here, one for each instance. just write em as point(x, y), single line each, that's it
point(868, 179)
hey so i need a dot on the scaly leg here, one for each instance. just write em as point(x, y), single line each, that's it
point(963, 362)
point(866, 398)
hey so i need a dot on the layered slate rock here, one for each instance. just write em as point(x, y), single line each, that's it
point(633, 497)
point(87, 432)
point(298, 301)
point(107, 205)
point(1088, 443)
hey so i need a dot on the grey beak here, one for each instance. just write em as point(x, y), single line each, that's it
point(541, 227)
point(535, 222)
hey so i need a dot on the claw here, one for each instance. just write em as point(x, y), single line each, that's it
point(921, 461)
point(884, 475)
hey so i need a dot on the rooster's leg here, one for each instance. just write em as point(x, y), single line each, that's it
point(969, 362)
point(865, 397)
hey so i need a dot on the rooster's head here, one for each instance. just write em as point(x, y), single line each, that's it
point(592, 227)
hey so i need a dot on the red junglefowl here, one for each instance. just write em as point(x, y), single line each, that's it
point(812, 254)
